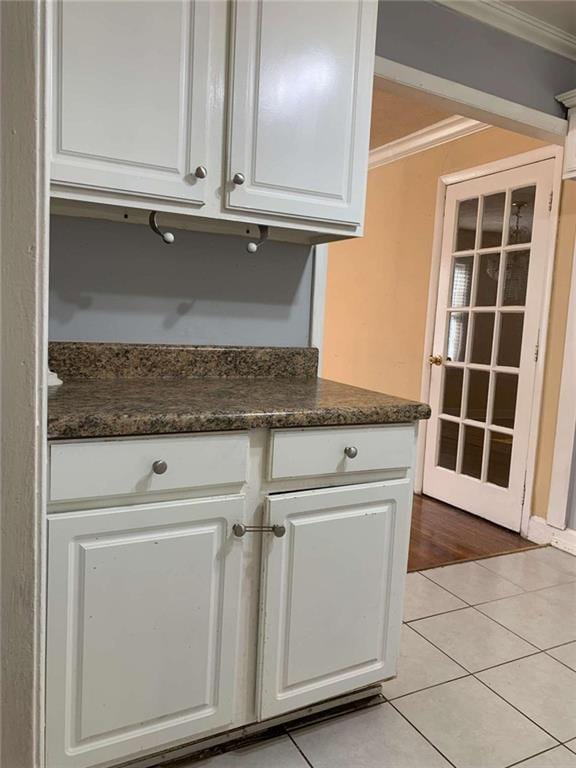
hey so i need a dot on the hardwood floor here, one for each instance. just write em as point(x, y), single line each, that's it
point(442, 534)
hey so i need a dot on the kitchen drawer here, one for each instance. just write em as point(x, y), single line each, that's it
point(95, 469)
point(314, 452)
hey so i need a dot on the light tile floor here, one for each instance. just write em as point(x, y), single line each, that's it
point(487, 678)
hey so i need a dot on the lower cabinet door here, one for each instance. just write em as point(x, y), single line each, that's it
point(332, 594)
point(142, 627)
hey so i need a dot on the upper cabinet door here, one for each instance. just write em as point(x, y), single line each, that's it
point(332, 592)
point(300, 107)
point(130, 97)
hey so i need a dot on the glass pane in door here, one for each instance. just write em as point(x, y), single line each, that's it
point(521, 215)
point(467, 221)
point(462, 281)
point(516, 278)
point(510, 345)
point(448, 446)
point(477, 400)
point(482, 338)
point(457, 335)
point(505, 390)
point(472, 451)
point(493, 220)
point(500, 458)
point(487, 280)
point(453, 378)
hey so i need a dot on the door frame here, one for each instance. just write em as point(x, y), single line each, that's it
point(556, 154)
point(565, 435)
point(24, 228)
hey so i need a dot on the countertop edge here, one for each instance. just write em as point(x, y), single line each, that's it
point(93, 426)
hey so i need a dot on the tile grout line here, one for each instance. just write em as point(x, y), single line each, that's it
point(423, 735)
point(298, 748)
point(474, 675)
point(524, 759)
point(497, 575)
point(558, 742)
point(484, 669)
point(536, 649)
point(429, 687)
point(559, 660)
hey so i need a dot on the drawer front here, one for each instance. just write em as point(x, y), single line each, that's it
point(90, 470)
point(340, 450)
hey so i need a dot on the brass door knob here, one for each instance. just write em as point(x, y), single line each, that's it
point(435, 360)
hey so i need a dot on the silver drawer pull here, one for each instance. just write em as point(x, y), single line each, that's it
point(351, 451)
point(159, 467)
point(240, 529)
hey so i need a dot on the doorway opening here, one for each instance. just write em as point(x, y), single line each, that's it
point(446, 299)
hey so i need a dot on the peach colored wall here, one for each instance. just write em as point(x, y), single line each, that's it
point(377, 288)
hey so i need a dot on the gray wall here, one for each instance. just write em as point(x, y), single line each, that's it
point(448, 44)
point(118, 282)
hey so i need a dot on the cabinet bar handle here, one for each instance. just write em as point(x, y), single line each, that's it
point(240, 529)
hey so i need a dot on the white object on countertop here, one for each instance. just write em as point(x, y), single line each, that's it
point(53, 379)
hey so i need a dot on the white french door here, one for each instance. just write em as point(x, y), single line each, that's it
point(490, 292)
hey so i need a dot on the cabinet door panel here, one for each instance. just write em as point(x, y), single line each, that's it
point(333, 592)
point(302, 84)
point(130, 96)
point(142, 615)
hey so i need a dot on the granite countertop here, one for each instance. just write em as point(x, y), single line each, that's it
point(219, 398)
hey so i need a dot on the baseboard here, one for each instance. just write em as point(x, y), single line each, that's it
point(541, 533)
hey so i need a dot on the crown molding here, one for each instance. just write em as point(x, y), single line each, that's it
point(438, 133)
point(568, 98)
point(519, 23)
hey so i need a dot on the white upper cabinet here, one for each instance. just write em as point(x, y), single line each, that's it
point(300, 107)
point(332, 594)
point(245, 112)
point(130, 97)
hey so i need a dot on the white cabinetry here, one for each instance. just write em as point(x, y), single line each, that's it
point(333, 592)
point(168, 623)
point(300, 107)
point(142, 627)
point(165, 105)
point(131, 97)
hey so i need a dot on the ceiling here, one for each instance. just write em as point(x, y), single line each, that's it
point(395, 116)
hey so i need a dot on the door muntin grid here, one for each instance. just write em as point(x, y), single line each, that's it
point(483, 334)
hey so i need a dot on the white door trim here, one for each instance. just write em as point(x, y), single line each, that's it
point(515, 161)
point(541, 532)
point(557, 512)
point(470, 102)
point(24, 226)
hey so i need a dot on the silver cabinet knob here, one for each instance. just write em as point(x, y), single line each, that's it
point(201, 172)
point(238, 179)
point(159, 467)
point(351, 451)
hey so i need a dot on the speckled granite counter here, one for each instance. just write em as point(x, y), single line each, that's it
point(143, 405)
